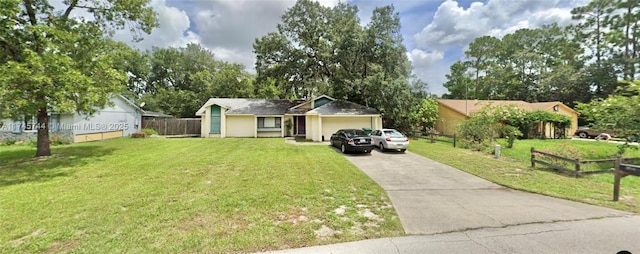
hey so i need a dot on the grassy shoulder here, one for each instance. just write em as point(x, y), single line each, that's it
point(186, 195)
point(513, 170)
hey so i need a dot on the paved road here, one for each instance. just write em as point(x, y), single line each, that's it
point(597, 236)
point(450, 211)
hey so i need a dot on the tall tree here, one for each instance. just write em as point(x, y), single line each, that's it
point(530, 64)
point(624, 33)
point(458, 82)
point(591, 29)
point(53, 59)
point(180, 80)
point(481, 56)
point(319, 50)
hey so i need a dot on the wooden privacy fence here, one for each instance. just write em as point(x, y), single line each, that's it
point(577, 164)
point(174, 126)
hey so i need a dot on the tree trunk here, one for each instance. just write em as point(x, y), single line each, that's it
point(43, 133)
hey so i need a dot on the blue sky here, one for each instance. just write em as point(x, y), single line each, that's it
point(435, 32)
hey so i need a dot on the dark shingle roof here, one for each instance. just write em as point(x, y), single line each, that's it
point(340, 107)
point(281, 107)
point(252, 106)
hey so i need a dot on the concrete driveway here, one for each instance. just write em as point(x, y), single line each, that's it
point(431, 197)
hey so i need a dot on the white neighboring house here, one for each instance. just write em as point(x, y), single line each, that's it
point(119, 120)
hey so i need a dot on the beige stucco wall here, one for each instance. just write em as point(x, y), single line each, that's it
point(205, 123)
point(563, 110)
point(448, 119)
point(240, 126)
point(312, 127)
point(269, 134)
point(574, 119)
point(306, 105)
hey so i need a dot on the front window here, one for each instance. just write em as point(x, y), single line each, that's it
point(269, 122)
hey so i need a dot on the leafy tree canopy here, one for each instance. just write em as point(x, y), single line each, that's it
point(618, 112)
point(177, 81)
point(52, 60)
point(321, 50)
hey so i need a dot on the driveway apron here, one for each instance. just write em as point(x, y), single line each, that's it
point(431, 197)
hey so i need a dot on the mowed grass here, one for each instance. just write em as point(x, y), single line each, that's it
point(186, 195)
point(514, 170)
point(583, 149)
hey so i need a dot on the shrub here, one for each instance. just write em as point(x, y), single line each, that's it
point(55, 139)
point(32, 142)
point(139, 135)
point(149, 132)
point(9, 141)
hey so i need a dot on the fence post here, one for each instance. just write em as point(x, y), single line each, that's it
point(533, 157)
point(616, 180)
point(454, 140)
point(577, 167)
point(165, 126)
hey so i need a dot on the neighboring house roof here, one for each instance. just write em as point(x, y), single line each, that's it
point(340, 107)
point(148, 113)
point(468, 107)
point(242, 106)
point(127, 101)
point(136, 107)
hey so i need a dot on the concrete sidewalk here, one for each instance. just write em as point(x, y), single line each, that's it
point(451, 211)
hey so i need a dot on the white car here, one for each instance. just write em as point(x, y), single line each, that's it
point(389, 139)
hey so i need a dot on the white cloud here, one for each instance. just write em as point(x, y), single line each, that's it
point(247, 58)
point(172, 32)
point(423, 59)
point(454, 27)
point(329, 3)
point(229, 28)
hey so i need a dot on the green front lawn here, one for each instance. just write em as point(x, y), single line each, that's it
point(186, 195)
point(513, 170)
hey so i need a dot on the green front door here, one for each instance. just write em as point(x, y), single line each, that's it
point(215, 119)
